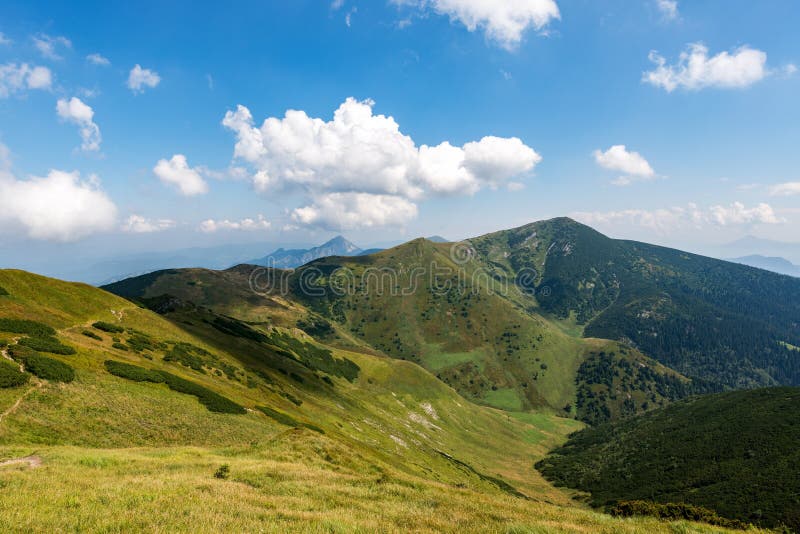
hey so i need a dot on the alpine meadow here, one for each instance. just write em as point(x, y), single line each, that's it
point(519, 266)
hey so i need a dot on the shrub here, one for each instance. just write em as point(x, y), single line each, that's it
point(211, 400)
point(3, 291)
point(108, 327)
point(288, 420)
point(47, 344)
point(23, 326)
point(673, 511)
point(11, 376)
point(48, 368)
point(133, 372)
point(223, 472)
point(89, 333)
point(139, 342)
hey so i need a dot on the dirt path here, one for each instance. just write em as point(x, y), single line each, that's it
point(31, 461)
point(35, 385)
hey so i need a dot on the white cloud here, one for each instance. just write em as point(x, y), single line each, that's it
point(176, 172)
point(136, 224)
point(4, 40)
point(786, 189)
point(18, 77)
point(139, 79)
point(619, 159)
point(668, 9)
point(360, 152)
point(678, 218)
point(248, 224)
point(58, 207)
point(97, 59)
point(48, 46)
point(347, 211)
point(696, 70)
point(76, 112)
point(503, 21)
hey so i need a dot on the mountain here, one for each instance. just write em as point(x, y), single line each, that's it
point(549, 315)
point(774, 264)
point(751, 245)
point(673, 456)
point(290, 259)
point(124, 409)
point(438, 239)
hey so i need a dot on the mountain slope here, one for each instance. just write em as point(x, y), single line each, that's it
point(289, 259)
point(716, 321)
point(675, 455)
point(138, 438)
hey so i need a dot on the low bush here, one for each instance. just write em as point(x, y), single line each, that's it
point(133, 372)
point(288, 420)
point(3, 291)
point(223, 472)
point(89, 333)
point(120, 346)
point(11, 376)
point(210, 399)
point(47, 344)
point(23, 326)
point(673, 511)
point(108, 327)
point(48, 368)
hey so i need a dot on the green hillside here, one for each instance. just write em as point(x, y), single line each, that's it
point(457, 324)
point(735, 453)
point(312, 437)
point(722, 323)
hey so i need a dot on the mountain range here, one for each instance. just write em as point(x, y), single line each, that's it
point(774, 264)
point(430, 375)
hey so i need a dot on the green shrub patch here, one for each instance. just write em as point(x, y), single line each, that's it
point(11, 376)
point(288, 420)
point(3, 291)
point(89, 333)
point(673, 512)
point(23, 326)
point(108, 327)
point(48, 368)
point(47, 344)
point(210, 399)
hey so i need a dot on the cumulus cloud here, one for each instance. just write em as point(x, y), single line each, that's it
point(136, 224)
point(619, 159)
point(503, 21)
point(139, 79)
point(176, 172)
point(666, 220)
point(347, 211)
point(58, 207)
point(248, 224)
point(97, 59)
point(360, 152)
point(15, 78)
point(786, 189)
point(668, 8)
point(48, 46)
point(695, 70)
point(76, 112)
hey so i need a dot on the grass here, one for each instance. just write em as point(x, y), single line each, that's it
point(123, 455)
point(300, 482)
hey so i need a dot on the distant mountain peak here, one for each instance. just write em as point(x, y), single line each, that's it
point(290, 259)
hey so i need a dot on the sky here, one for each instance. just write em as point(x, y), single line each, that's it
point(162, 125)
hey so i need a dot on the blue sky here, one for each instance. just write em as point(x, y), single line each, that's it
point(546, 109)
